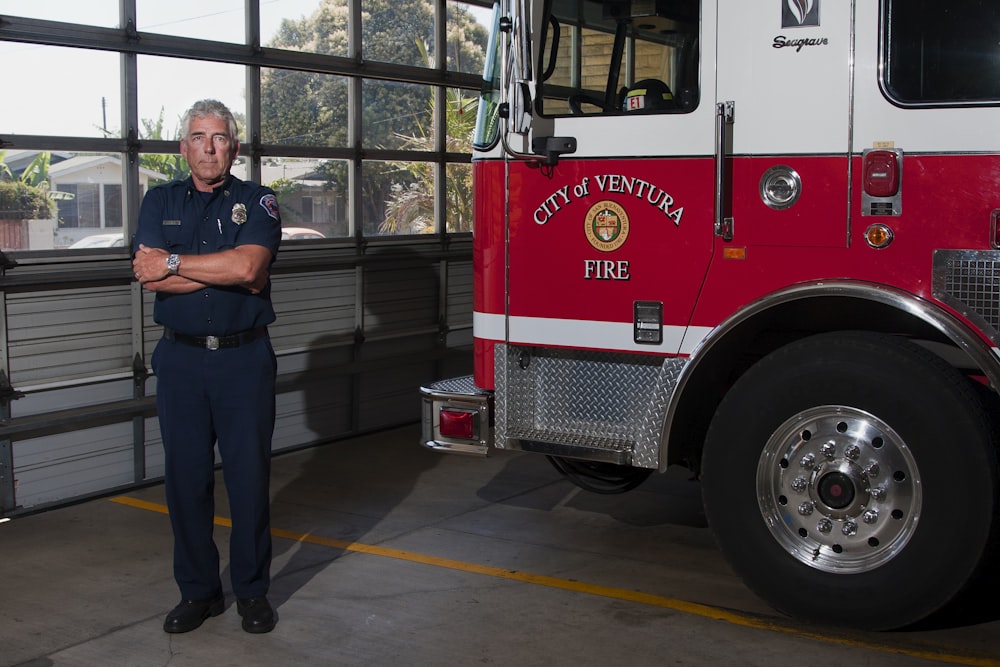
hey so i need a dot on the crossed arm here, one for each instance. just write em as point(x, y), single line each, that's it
point(244, 266)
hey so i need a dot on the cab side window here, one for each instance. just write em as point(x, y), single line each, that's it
point(941, 53)
point(620, 56)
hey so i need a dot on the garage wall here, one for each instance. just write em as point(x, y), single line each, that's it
point(354, 340)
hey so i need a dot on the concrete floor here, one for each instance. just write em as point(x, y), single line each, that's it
point(389, 554)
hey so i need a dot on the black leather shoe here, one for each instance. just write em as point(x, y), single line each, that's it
point(258, 616)
point(190, 614)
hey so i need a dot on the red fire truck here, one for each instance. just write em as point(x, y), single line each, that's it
point(762, 240)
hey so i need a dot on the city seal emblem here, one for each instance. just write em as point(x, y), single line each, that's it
point(606, 226)
point(239, 213)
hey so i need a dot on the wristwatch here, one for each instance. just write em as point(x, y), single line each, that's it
point(173, 264)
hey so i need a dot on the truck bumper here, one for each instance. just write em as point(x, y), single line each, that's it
point(457, 416)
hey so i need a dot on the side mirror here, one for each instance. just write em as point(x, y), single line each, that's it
point(519, 112)
point(552, 148)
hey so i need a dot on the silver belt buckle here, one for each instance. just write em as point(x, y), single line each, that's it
point(212, 342)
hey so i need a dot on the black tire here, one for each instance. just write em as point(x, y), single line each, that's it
point(802, 515)
point(599, 477)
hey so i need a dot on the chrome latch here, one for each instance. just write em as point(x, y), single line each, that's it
point(647, 322)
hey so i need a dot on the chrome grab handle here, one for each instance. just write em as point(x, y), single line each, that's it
point(724, 114)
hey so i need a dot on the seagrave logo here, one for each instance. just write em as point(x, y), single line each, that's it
point(606, 226)
point(799, 13)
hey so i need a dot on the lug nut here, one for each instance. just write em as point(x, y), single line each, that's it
point(852, 452)
point(824, 525)
point(799, 484)
point(870, 516)
point(850, 528)
point(805, 508)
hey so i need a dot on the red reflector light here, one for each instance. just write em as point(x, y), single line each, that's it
point(457, 423)
point(880, 173)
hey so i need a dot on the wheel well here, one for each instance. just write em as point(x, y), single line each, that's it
point(749, 340)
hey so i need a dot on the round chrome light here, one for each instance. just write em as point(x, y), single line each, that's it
point(780, 187)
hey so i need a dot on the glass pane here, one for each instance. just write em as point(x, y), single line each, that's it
point(562, 74)
point(597, 50)
point(314, 26)
point(486, 133)
point(303, 109)
point(61, 200)
point(459, 197)
point(189, 81)
point(397, 115)
point(311, 194)
point(103, 13)
point(397, 31)
point(220, 20)
point(65, 92)
point(942, 52)
point(468, 28)
point(89, 204)
point(460, 120)
point(397, 198)
point(652, 68)
point(158, 168)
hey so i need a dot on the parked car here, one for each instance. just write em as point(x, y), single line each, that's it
point(295, 233)
point(112, 240)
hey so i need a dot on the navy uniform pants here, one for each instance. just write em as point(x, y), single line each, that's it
point(205, 397)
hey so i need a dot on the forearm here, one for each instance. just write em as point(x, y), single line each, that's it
point(243, 266)
point(174, 285)
point(234, 267)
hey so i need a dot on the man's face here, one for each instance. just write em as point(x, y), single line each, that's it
point(209, 151)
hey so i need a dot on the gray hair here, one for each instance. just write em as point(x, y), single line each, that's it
point(209, 109)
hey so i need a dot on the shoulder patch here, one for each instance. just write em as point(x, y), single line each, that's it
point(270, 204)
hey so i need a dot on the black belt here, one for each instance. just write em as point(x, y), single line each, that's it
point(216, 342)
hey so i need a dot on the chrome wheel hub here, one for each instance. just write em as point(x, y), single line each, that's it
point(839, 489)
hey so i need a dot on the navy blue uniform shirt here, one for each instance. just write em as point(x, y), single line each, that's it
point(182, 220)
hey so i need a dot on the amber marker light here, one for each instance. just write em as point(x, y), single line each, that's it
point(878, 236)
point(734, 253)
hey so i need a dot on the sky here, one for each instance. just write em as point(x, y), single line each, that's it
point(76, 94)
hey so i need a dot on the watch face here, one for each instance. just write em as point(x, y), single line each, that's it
point(173, 263)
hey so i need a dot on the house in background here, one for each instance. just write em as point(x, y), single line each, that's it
point(311, 201)
point(95, 207)
point(87, 190)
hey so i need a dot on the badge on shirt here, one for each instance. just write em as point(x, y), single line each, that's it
point(239, 213)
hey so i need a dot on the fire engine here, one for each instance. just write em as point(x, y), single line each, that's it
point(762, 240)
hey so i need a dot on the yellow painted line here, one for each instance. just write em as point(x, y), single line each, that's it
point(693, 608)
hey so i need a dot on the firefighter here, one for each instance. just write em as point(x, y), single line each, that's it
point(205, 246)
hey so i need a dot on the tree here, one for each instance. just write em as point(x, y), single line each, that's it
point(171, 165)
point(410, 207)
point(20, 201)
point(36, 174)
point(283, 187)
point(307, 109)
point(27, 196)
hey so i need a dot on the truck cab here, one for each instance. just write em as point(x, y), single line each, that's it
point(759, 240)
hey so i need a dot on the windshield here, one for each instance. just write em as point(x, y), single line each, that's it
point(488, 114)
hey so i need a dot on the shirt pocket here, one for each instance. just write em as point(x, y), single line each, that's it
point(176, 234)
